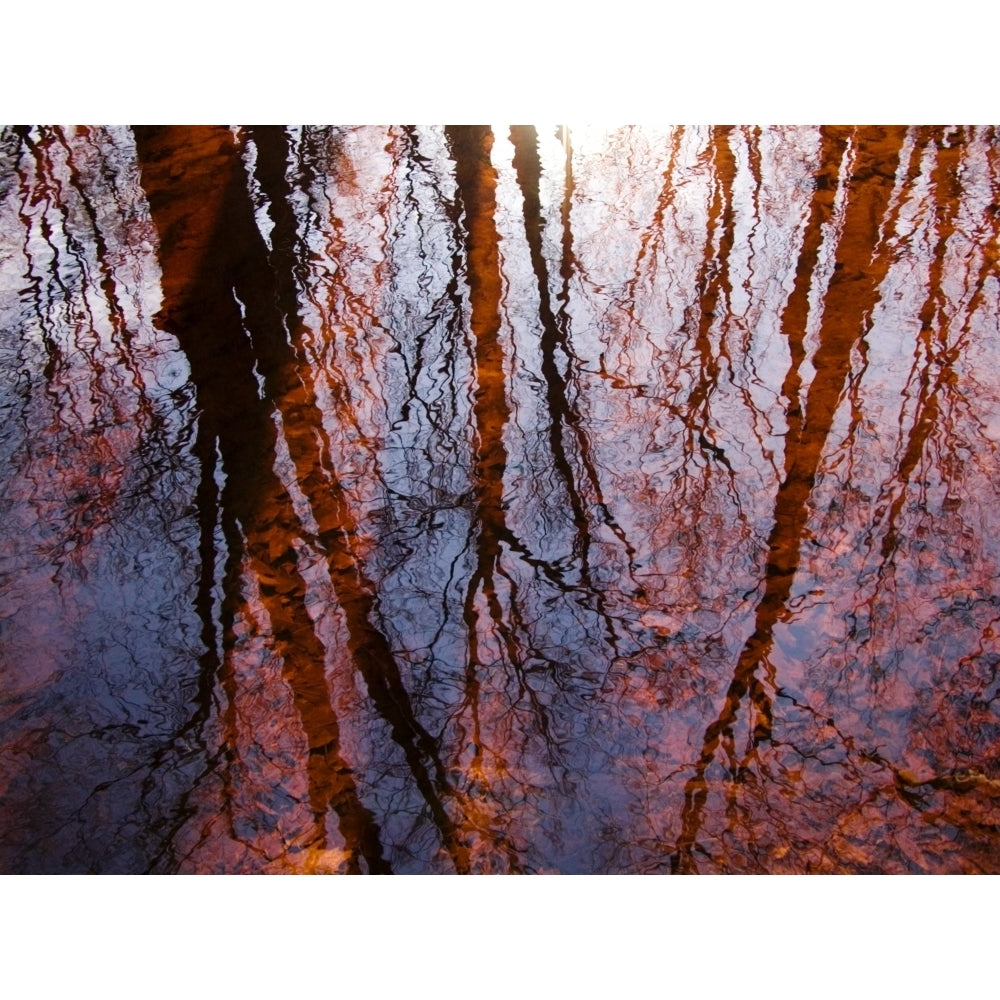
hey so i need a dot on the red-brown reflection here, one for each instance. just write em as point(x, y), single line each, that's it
point(614, 501)
point(214, 263)
point(849, 298)
point(270, 531)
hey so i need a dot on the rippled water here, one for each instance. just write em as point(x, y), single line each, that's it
point(511, 500)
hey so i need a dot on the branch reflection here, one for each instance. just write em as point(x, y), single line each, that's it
point(514, 499)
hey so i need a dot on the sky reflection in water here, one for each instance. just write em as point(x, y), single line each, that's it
point(499, 500)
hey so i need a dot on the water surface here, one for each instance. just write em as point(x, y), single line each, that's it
point(503, 499)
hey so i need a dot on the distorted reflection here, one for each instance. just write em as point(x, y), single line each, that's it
point(511, 499)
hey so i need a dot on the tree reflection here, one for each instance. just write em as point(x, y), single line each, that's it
point(471, 499)
point(219, 300)
point(848, 301)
